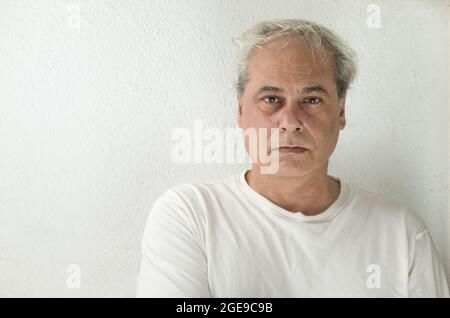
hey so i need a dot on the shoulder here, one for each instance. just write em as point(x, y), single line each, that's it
point(190, 195)
point(388, 211)
point(192, 201)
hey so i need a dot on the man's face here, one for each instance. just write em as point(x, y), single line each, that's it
point(300, 100)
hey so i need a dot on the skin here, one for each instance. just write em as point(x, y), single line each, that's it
point(312, 120)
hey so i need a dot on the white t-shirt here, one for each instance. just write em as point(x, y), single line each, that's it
point(224, 239)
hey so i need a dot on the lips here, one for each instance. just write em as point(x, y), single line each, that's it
point(293, 147)
point(290, 149)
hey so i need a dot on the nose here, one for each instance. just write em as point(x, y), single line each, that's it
point(289, 121)
point(288, 129)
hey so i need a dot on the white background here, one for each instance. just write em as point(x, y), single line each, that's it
point(88, 103)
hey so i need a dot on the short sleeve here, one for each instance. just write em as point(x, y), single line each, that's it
point(426, 273)
point(173, 261)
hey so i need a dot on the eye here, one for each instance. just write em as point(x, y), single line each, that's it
point(271, 99)
point(313, 100)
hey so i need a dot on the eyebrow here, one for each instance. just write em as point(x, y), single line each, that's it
point(305, 90)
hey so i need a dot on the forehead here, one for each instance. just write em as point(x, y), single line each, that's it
point(289, 59)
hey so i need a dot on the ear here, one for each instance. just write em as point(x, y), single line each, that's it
point(341, 105)
point(239, 102)
point(239, 110)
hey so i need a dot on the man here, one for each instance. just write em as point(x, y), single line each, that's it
point(296, 232)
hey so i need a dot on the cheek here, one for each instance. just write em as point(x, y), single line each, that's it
point(324, 133)
point(252, 117)
point(329, 136)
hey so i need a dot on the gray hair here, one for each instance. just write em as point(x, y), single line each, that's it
point(320, 39)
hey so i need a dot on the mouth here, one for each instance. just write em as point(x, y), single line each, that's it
point(291, 149)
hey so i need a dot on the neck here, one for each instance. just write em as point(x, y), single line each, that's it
point(311, 194)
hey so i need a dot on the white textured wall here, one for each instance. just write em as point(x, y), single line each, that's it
point(87, 111)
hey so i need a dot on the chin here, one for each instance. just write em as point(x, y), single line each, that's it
point(290, 169)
